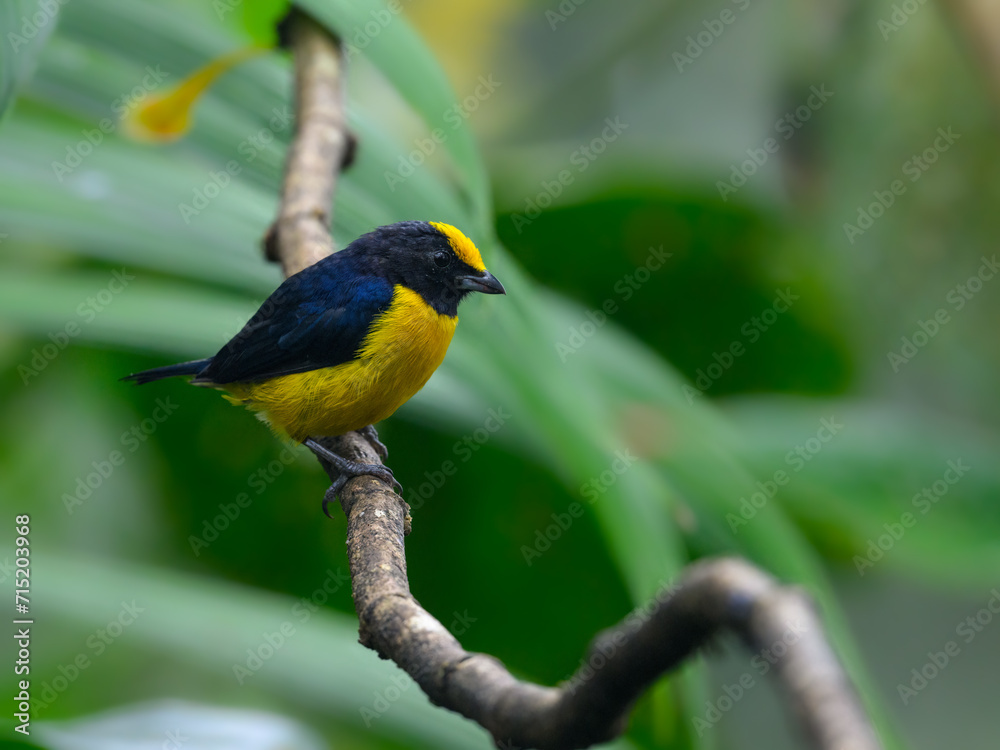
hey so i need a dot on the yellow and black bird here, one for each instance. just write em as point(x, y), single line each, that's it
point(342, 344)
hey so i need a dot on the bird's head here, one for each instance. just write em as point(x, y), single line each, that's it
point(435, 260)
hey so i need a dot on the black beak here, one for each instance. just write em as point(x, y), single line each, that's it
point(484, 282)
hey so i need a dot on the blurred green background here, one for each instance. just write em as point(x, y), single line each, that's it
point(749, 246)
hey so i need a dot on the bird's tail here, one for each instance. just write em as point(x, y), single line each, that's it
point(157, 373)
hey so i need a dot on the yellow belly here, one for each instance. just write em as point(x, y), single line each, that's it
point(405, 346)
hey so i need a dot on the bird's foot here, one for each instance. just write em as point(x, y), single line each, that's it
point(348, 469)
point(370, 434)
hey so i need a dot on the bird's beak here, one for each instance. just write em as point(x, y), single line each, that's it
point(484, 282)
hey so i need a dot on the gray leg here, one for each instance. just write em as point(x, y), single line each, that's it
point(348, 470)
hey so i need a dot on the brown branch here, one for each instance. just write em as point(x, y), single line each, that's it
point(713, 596)
point(300, 235)
point(593, 706)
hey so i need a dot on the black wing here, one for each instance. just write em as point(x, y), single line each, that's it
point(316, 318)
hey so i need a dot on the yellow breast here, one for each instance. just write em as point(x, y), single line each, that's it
point(404, 347)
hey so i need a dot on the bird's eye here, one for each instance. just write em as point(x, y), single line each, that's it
point(441, 259)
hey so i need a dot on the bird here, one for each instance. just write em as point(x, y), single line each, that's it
point(342, 344)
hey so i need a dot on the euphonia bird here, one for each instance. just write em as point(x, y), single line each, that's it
point(342, 344)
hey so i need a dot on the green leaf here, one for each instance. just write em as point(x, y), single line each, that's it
point(26, 26)
point(153, 726)
point(381, 33)
point(884, 468)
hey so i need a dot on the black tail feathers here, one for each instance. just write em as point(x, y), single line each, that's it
point(183, 368)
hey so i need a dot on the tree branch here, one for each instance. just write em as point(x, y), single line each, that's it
point(713, 596)
point(322, 144)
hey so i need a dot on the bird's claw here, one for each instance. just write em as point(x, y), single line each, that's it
point(379, 472)
point(385, 474)
point(332, 494)
point(348, 470)
point(370, 434)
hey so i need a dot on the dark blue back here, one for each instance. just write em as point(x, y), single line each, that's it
point(316, 318)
